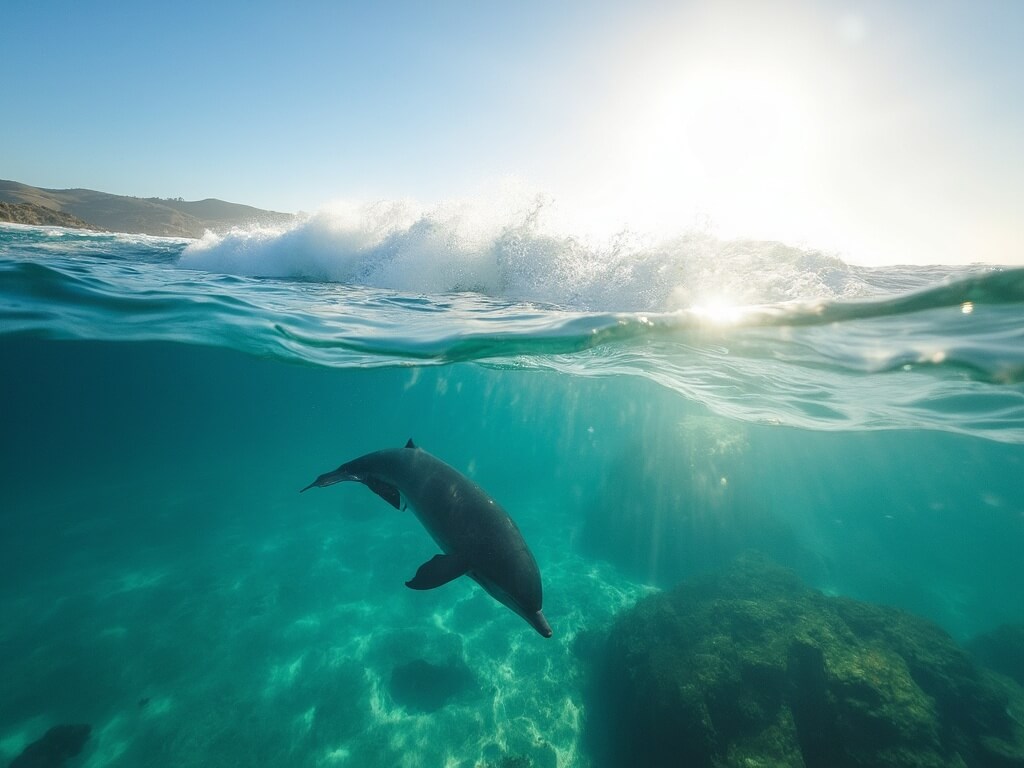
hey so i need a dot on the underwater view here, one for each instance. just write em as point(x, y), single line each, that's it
point(774, 501)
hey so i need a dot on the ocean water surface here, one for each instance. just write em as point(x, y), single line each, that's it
point(647, 411)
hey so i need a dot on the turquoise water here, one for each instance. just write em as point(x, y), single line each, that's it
point(162, 579)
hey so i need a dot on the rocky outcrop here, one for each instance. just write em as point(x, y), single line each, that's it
point(27, 213)
point(751, 668)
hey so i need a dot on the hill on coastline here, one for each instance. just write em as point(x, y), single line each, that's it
point(149, 216)
point(28, 213)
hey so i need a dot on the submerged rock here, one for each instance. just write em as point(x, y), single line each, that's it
point(423, 686)
point(54, 748)
point(751, 668)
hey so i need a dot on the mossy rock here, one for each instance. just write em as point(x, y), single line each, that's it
point(751, 668)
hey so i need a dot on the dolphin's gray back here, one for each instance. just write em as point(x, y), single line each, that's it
point(462, 518)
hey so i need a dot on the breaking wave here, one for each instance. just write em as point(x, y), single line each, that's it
point(519, 254)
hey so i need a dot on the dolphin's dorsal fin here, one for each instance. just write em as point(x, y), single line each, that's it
point(410, 444)
point(386, 491)
point(438, 570)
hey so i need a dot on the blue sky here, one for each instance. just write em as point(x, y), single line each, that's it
point(884, 131)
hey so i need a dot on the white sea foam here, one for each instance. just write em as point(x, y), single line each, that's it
point(514, 250)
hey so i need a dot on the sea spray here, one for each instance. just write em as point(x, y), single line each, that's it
point(519, 253)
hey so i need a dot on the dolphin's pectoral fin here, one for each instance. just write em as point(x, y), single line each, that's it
point(437, 571)
point(386, 491)
point(329, 478)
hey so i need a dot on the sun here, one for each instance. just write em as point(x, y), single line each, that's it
point(739, 125)
point(707, 130)
point(729, 143)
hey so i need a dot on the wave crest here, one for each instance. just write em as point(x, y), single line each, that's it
point(514, 252)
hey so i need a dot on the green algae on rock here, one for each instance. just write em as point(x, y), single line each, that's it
point(752, 668)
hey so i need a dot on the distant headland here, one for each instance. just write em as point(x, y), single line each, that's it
point(89, 209)
point(30, 213)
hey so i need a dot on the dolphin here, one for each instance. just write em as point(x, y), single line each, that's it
point(476, 535)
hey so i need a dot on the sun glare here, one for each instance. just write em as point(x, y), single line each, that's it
point(740, 123)
point(719, 311)
point(724, 121)
point(731, 140)
point(712, 141)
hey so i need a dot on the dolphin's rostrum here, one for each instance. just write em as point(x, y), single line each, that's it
point(477, 536)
